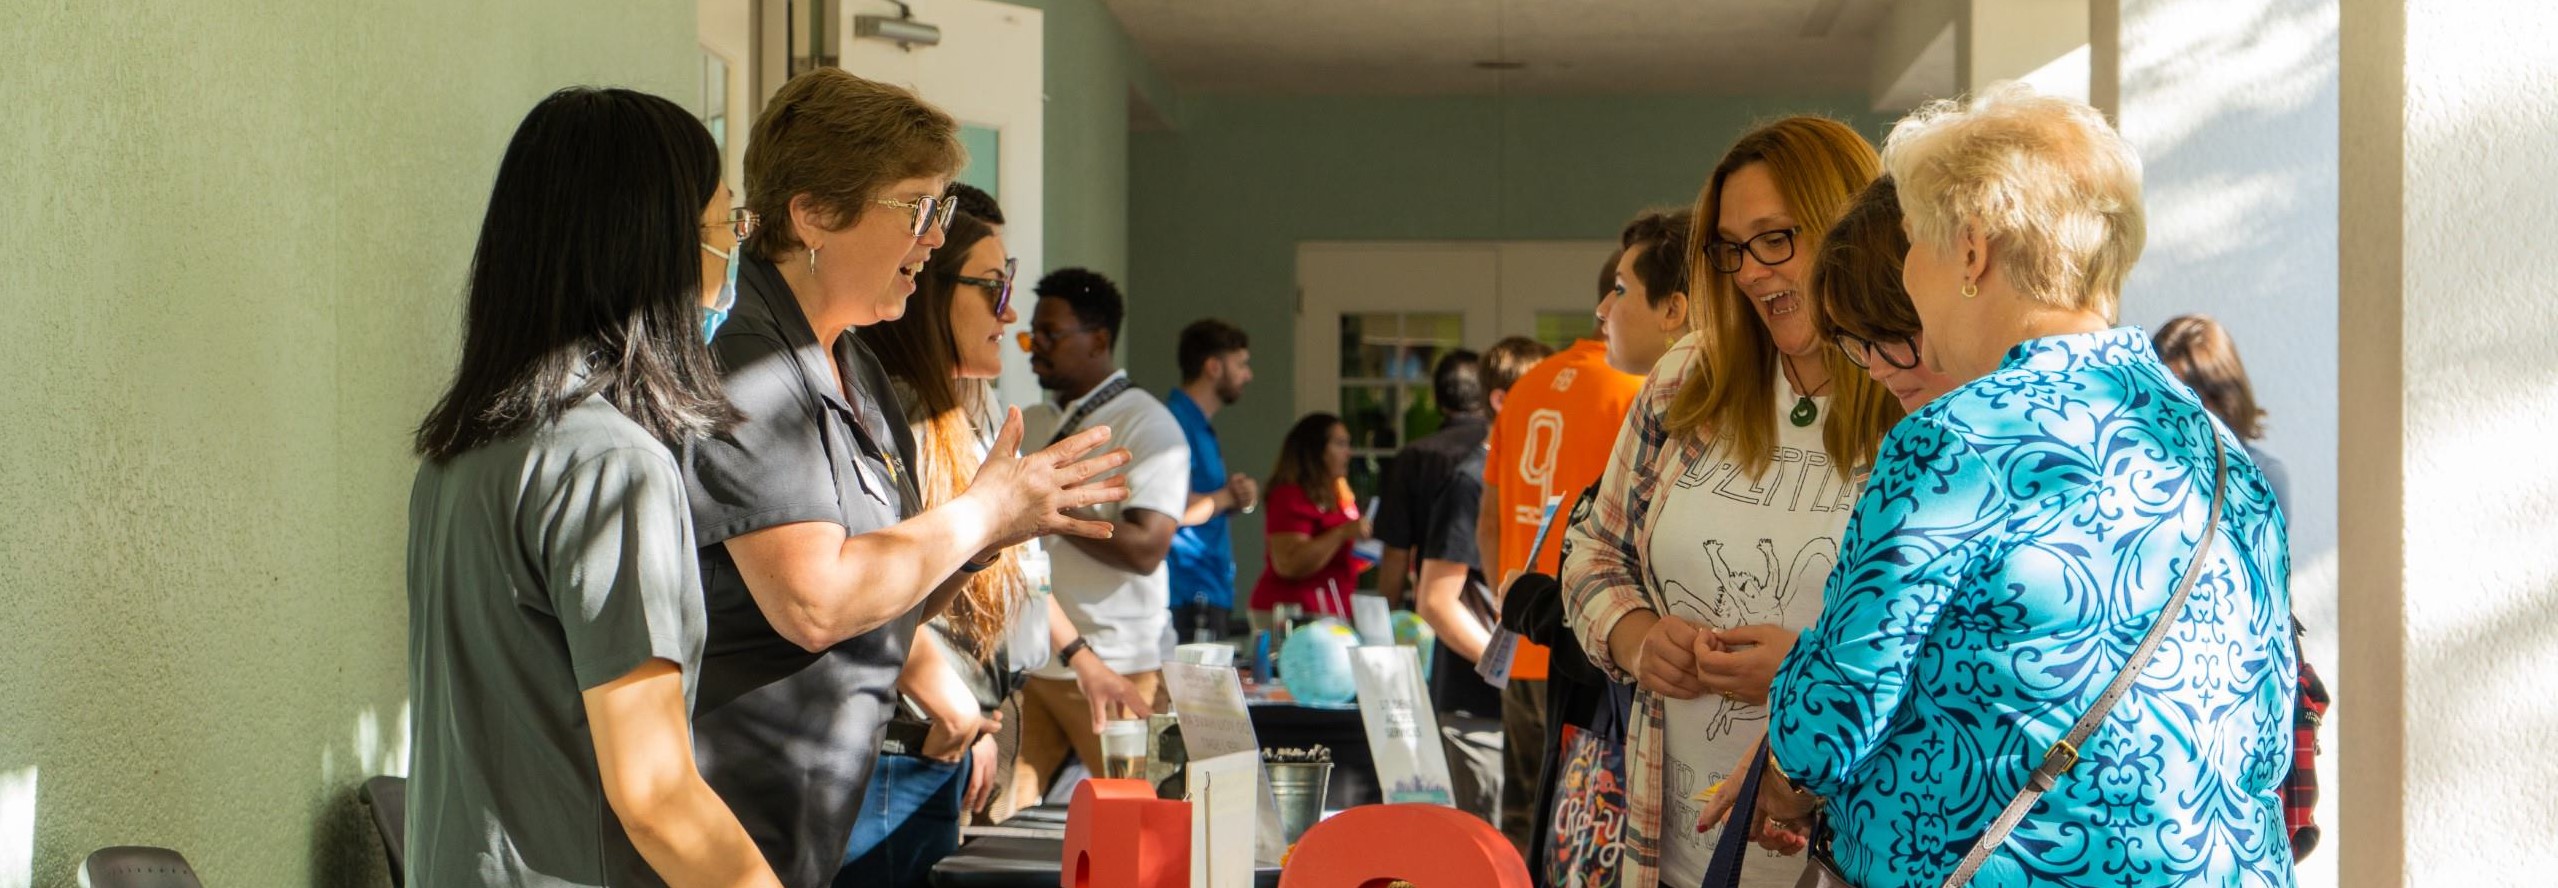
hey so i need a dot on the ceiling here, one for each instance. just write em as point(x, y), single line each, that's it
point(1570, 47)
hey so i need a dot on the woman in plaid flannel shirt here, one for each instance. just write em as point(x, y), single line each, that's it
point(1719, 514)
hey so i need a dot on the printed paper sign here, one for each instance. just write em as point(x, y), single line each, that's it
point(1373, 617)
point(1214, 722)
point(1222, 820)
point(1403, 733)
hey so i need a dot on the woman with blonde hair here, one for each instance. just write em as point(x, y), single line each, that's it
point(1720, 510)
point(2055, 650)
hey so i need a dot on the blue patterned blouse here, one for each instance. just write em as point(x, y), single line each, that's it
point(2015, 542)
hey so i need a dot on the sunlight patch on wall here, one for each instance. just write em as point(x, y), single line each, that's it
point(18, 828)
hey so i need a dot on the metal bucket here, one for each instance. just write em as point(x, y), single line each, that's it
point(1299, 788)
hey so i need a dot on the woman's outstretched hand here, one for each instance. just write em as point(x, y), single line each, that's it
point(1035, 495)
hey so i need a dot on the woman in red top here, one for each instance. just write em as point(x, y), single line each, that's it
point(1306, 549)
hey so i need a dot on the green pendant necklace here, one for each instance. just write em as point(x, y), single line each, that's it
point(1805, 412)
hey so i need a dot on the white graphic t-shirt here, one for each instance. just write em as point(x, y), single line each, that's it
point(1732, 550)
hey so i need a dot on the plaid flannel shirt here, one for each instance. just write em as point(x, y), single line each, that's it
point(1604, 579)
point(2300, 793)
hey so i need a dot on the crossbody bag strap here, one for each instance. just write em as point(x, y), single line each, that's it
point(2064, 754)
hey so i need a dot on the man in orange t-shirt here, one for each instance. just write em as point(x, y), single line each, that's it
point(1551, 438)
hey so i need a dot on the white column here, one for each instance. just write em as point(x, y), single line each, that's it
point(2451, 400)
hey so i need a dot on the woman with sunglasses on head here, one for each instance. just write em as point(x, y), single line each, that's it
point(555, 619)
point(1720, 509)
point(819, 556)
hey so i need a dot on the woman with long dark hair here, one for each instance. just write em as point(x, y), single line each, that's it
point(555, 618)
point(1313, 520)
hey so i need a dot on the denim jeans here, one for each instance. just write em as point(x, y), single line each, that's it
point(909, 821)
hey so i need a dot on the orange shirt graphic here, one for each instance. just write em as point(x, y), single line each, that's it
point(1552, 439)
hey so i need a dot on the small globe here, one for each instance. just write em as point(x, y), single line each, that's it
point(1412, 631)
point(1315, 663)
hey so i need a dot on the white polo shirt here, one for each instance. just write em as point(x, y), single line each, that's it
point(1121, 614)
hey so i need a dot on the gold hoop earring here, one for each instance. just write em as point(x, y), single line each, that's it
point(812, 261)
point(1969, 290)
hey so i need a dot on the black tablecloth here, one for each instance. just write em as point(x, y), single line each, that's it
point(1023, 862)
point(1354, 770)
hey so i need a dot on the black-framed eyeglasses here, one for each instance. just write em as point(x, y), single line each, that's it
point(741, 222)
point(1001, 286)
point(1769, 247)
point(930, 212)
point(1857, 347)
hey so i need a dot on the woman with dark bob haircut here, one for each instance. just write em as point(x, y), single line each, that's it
point(555, 619)
point(1858, 299)
point(819, 555)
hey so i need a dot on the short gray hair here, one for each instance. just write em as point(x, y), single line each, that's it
point(2044, 179)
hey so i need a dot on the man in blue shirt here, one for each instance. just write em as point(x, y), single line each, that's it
point(1216, 362)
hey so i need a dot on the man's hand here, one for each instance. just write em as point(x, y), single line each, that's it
point(1108, 693)
point(1245, 492)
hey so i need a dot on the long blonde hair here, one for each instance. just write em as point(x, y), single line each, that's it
point(1730, 392)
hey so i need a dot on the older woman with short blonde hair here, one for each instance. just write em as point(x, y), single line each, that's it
point(2017, 541)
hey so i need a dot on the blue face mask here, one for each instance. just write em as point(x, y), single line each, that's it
point(716, 313)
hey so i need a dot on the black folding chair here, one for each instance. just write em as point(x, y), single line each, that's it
point(134, 866)
point(388, 797)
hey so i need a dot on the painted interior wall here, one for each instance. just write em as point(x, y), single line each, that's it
point(241, 231)
point(1219, 205)
point(1094, 73)
point(2241, 190)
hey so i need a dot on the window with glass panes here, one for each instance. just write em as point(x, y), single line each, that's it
point(1386, 359)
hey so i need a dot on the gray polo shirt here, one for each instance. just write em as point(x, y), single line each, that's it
point(788, 737)
point(538, 567)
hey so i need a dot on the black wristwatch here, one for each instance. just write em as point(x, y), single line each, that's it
point(1066, 655)
point(973, 565)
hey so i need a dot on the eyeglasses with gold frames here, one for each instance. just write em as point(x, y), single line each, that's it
point(930, 211)
point(741, 222)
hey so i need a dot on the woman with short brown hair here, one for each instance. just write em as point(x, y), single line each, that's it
point(818, 556)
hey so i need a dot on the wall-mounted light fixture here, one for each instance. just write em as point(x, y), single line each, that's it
point(901, 29)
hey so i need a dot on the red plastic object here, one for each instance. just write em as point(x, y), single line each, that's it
point(1427, 846)
point(1118, 835)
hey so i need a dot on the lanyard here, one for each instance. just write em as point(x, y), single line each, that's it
point(1075, 421)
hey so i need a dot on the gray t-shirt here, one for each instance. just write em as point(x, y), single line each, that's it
point(538, 567)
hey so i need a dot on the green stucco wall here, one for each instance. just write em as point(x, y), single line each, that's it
point(1219, 204)
point(237, 235)
point(1091, 70)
